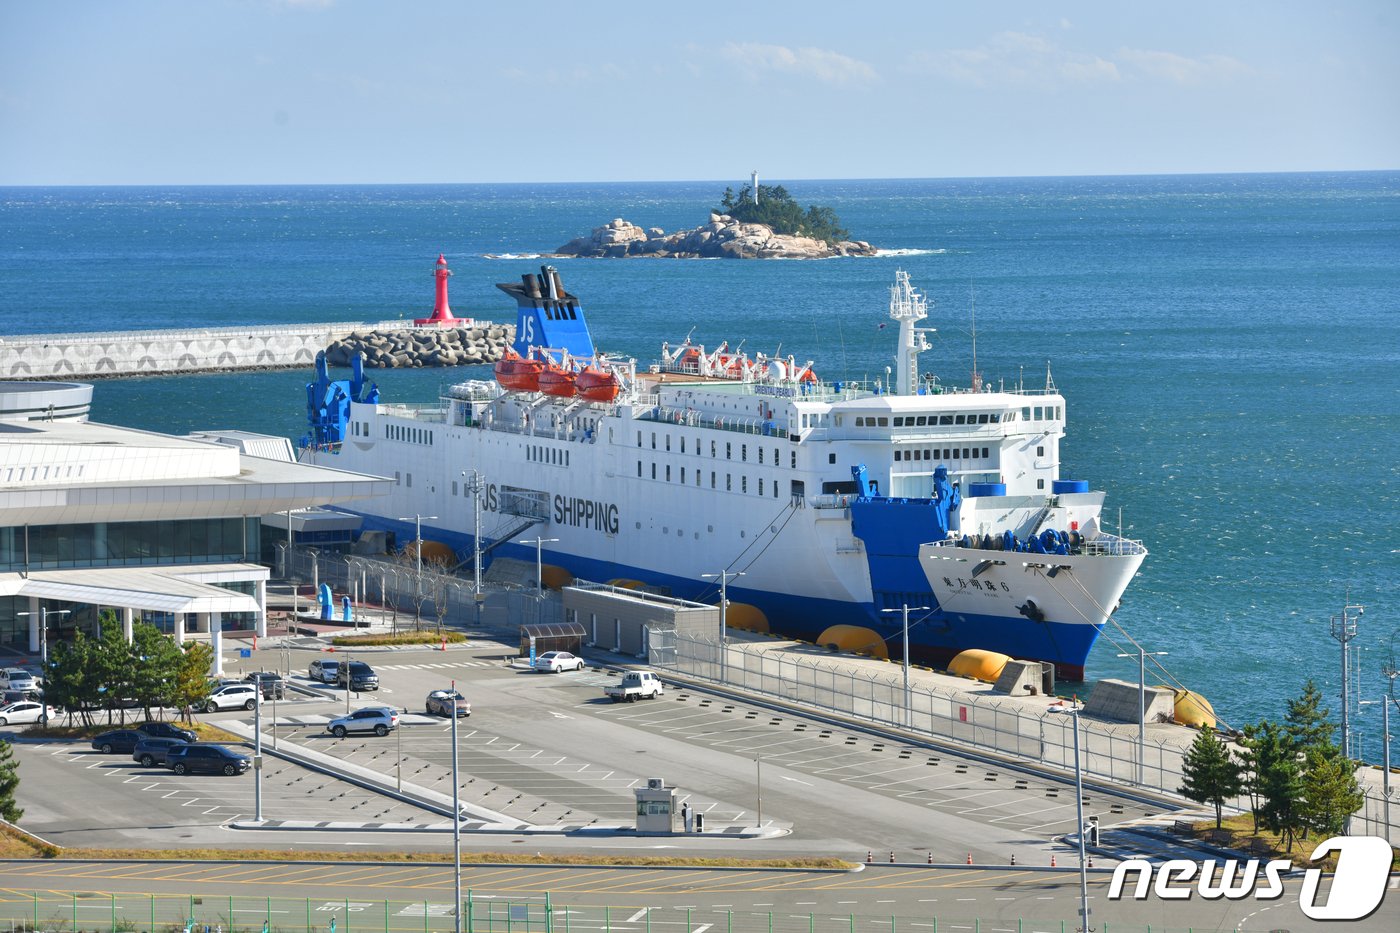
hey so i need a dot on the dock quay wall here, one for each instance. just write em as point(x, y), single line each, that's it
point(230, 349)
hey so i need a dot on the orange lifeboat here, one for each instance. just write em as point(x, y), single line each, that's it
point(518, 374)
point(556, 380)
point(597, 385)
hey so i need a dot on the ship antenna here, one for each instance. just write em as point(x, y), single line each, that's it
point(1049, 379)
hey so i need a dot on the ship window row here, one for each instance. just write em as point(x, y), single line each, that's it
point(410, 435)
point(698, 449)
point(359, 428)
point(669, 473)
point(942, 453)
point(538, 453)
point(1041, 413)
point(920, 421)
point(815, 420)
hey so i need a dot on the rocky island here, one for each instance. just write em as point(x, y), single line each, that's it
point(768, 226)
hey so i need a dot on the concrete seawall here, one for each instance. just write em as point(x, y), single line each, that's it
point(163, 352)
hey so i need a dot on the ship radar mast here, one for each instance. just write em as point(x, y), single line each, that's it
point(908, 307)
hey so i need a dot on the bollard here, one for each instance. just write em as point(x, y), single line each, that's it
point(868, 857)
point(1091, 861)
point(892, 856)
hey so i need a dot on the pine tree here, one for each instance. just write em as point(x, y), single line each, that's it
point(1307, 724)
point(1211, 774)
point(9, 782)
point(191, 687)
point(1331, 793)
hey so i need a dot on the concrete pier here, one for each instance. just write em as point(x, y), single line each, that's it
point(230, 349)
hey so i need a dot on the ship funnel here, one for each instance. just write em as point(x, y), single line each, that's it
point(550, 275)
point(532, 285)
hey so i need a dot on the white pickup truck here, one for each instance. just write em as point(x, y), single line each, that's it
point(635, 685)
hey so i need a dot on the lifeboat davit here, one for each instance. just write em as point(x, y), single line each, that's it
point(518, 374)
point(556, 380)
point(597, 385)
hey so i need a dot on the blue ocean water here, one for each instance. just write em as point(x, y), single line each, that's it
point(1228, 346)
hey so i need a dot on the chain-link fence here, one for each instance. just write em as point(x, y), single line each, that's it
point(157, 913)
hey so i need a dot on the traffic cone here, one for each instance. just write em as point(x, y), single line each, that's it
point(930, 856)
point(868, 857)
point(892, 856)
point(1091, 861)
point(444, 643)
point(1052, 860)
point(1013, 858)
point(969, 858)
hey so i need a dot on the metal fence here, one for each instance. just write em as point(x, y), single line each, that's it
point(158, 913)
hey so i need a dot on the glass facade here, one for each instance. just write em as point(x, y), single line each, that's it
point(129, 544)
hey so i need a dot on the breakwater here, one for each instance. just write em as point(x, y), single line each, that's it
point(230, 349)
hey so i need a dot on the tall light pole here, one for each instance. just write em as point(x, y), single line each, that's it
point(1344, 630)
point(908, 717)
point(1073, 712)
point(1141, 655)
point(44, 656)
point(1389, 671)
point(539, 544)
point(257, 748)
point(724, 576)
point(477, 487)
point(456, 824)
point(418, 548)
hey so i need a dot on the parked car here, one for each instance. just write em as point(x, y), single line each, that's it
point(14, 696)
point(376, 719)
point(323, 671)
point(357, 675)
point(164, 730)
point(555, 662)
point(635, 685)
point(23, 711)
point(273, 686)
point(152, 750)
point(118, 740)
point(205, 759)
point(232, 696)
point(17, 678)
point(441, 703)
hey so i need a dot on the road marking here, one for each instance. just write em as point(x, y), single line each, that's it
point(702, 928)
point(796, 781)
point(637, 916)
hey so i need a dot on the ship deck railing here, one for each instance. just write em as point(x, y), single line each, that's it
point(1105, 545)
point(689, 417)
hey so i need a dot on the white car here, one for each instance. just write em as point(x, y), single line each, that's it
point(23, 711)
point(17, 678)
point(232, 696)
point(554, 662)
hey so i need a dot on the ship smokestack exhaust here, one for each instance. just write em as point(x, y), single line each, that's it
point(532, 284)
point(550, 275)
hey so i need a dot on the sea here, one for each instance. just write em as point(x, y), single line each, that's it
point(1228, 345)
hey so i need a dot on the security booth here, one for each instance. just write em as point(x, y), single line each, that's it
point(656, 807)
point(550, 636)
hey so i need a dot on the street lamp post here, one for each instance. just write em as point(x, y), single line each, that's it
point(908, 702)
point(1141, 655)
point(1344, 630)
point(539, 544)
point(44, 656)
point(476, 487)
point(418, 582)
point(1390, 672)
point(456, 824)
point(724, 576)
point(1073, 712)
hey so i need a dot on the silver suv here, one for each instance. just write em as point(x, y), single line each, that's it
point(376, 719)
point(323, 671)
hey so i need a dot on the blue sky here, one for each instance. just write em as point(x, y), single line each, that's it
point(353, 91)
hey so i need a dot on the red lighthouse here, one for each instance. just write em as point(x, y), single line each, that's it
point(442, 313)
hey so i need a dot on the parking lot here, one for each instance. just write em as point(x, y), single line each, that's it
point(551, 751)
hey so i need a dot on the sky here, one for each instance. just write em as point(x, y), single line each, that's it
point(116, 92)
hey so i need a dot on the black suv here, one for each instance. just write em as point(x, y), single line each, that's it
point(151, 751)
point(357, 675)
point(272, 684)
point(119, 740)
point(164, 730)
point(205, 759)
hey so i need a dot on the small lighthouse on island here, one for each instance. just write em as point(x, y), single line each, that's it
point(754, 187)
point(442, 312)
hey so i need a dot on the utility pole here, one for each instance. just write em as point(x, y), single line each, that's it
point(539, 544)
point(908, 701)
point(1390, 672)
point(456, 824)
point(1344, 630)
point(477, 487)
point(1141, 655)
point(418, 583)
point(724, 576)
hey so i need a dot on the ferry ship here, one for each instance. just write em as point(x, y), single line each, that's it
point(832, 506)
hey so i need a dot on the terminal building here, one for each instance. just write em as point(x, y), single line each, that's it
point(164, 529)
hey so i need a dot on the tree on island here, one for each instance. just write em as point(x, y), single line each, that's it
point(778, 210)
